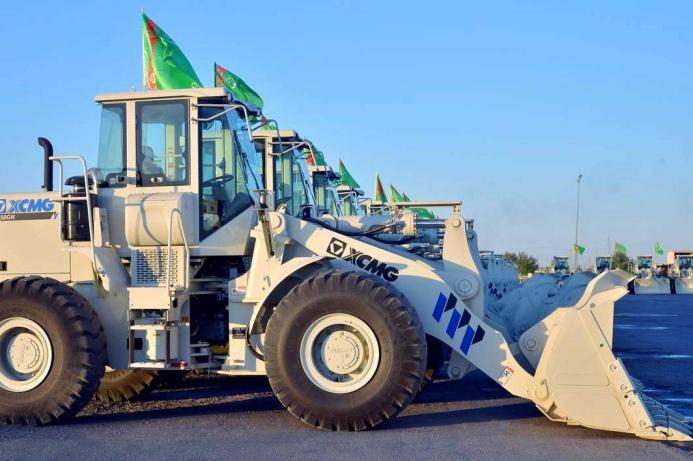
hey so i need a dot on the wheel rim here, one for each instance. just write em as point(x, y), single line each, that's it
point(26, 354)
point(340, 353)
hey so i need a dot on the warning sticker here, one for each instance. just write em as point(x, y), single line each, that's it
point(505, 376)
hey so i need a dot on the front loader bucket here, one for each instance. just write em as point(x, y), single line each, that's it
point(572, 290)
point(578, 380)
point(651, 286)
point(684, 286)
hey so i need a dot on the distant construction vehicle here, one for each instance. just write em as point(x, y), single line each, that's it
point(682, 271)
point(648, 280)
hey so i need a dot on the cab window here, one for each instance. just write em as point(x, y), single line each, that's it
point(162, 143)
point(111, 161)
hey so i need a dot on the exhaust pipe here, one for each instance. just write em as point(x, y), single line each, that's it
point(47, 164)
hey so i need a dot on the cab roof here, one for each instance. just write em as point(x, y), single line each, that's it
point(219, 93)
point(260, 133)
point(165, 94)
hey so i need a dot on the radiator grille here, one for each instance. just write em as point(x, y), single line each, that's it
point(149, 266)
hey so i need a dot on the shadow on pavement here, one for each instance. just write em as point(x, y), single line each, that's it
point(507, 412)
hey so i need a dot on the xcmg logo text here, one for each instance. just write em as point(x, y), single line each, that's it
point(366, 262)
point(34, 205)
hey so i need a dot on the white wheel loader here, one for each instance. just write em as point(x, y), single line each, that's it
point(648, 282)
point(171, 255)
point(683, 270)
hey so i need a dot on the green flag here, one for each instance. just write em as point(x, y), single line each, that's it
point(346, 178)
point(165, 65)
point(578, 249)
point(620, 248)
point(379, 192)
point(658, 249)
point(236, 85)
point(394, 195)
point(421, 212)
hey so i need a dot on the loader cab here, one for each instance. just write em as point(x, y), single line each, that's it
point(284, 169)
point(324, 181)
point(644, 263)
point(187, 150)
point(560, 266)
point(685, 262)
point(349, 200)
point(602, 263)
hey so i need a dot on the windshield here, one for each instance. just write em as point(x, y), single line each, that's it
point(561, 264)
point(685, 262)
point(289, 183)
point(302, 174)
point(645, 262)
point(229, 170)
point(326, 196)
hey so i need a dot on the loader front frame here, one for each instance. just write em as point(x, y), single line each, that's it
point(449, 298)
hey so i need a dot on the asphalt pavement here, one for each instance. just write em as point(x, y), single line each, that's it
point(216, 417)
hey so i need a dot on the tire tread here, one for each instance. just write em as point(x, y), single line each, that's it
point(88, 348)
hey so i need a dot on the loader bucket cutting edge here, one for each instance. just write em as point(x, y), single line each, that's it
point(578, 380)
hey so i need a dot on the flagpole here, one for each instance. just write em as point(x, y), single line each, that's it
point(144, 65)
point(577, 219)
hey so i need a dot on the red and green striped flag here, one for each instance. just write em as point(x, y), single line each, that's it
point(267, 126)
point(346, 178)
point(236, 85)
point(314, 157)
point(379, 192)
point(165, 65)
point(620, 248)
point(578, 249)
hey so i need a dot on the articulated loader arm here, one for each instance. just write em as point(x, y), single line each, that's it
point(568, 368)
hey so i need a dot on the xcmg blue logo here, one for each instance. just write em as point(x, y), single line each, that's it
point(34, 205)
point(458, 321)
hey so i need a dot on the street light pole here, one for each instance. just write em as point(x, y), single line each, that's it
point(577, 220)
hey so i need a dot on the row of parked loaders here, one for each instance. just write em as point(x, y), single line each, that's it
point(675, 277)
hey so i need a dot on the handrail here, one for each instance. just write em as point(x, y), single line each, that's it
point(86, 198)
point(187, 250)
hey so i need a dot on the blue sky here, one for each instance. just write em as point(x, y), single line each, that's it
point(498, 104)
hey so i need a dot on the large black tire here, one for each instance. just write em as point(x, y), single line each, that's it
point(127, 385)
point(75, 339)
point(400, 338)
